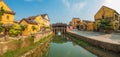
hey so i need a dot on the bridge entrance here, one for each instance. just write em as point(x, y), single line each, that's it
point(59, 28)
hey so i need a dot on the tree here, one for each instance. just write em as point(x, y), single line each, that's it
point(34, 28)
point(23, 27)
point(1, 27)
point(15, 30)
point(105, 25)
point(1, 12)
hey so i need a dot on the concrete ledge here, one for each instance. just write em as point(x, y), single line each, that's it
point(101, 44)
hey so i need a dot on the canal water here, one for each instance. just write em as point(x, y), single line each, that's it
point(62, 46)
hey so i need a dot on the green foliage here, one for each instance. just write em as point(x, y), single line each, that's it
point(18, 52)
point(104, 24)
point(1, 12)
point(34, 28)
point(47, 27)
point(23, 27)
point(15, 30)
point(1, 28)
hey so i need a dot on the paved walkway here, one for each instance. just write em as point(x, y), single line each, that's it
point(110, 38)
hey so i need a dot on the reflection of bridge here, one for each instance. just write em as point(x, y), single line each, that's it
point(59, 27)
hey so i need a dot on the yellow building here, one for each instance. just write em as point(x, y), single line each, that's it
point(38, 22)
point(46, 20)
point(42, 20)
point(119, 22)
point(8, 16)
point(82, 25)
point(107, 13)
point(89, 25)
point(75, 22)
point(31, 27)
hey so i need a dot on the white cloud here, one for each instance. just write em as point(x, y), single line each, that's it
point(66, 2)
point(75, 6)
point(113, 4)
point(32, 0)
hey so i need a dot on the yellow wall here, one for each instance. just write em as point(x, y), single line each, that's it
point(4, 17)
point(107, 13)
point(39, 21)
point(2, 4)
point(90, 26)
point(75, 23)
point(83, 25)
point(7, 21)
point(42, 22)
point(29, 30)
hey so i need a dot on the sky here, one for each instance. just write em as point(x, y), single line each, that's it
point(60, 10)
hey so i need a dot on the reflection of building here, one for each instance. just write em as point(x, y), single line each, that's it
point(40, 51)
point(75, 22)
point(8, 16)
point(107, 13)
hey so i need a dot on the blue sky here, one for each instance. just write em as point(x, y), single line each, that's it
point(60, 10)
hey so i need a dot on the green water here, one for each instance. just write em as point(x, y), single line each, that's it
point(66, 47)
point(63, 47)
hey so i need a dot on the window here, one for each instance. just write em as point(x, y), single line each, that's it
point(103, 17)
point(116, 17)
point(7, 17)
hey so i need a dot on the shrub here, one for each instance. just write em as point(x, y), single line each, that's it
point(1, 28)
point(1, 12)
point(15, 30)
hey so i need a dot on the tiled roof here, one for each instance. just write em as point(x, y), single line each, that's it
point(43, 16)
point(10, 12)
point(110, 8)
point(29, 21)
point(32, 17)
point(59, 24)
point(1, 0)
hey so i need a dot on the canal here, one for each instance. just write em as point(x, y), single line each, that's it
point(64, 46)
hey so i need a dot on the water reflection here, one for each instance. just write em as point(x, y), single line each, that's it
point(95, 50)
point(41, 51)
point(62, 46)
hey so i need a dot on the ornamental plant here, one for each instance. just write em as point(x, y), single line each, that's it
point(1, 12)
point(105, 25)
point(15, 30)
point(1, 27)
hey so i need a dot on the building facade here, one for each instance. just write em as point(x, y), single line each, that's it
point(31, 27)
point(8, 14)
point(119, 22)
point(38, 22)
point(109, 14)
point(75, 22)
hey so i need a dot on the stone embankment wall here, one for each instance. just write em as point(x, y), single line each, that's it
point(43, 47)
point(21, 42)
point(104, 45)
point(40, 36)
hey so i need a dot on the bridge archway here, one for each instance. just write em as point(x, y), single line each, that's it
point(59, 28)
